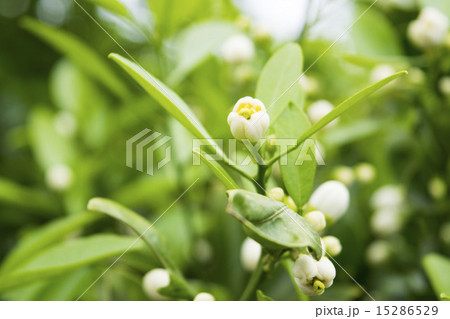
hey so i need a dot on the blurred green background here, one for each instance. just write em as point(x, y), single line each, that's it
point(67, 111)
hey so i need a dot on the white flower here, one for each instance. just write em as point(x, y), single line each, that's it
point(59, 177)
point(319, 109)
point(444, 85)
point(250, 253)
point(430, 28)
point(276, 193)
point(317, 220)
point(154, 280)
point(331, 198)
point(378, 252)
point(249, 119)
point(204, 296)
point(344, 174)
point(332, 245)
point(312, 276)
point(365, 172)
point(238, 48)
point(380, 72)
point(386, 221)
point(387, 196)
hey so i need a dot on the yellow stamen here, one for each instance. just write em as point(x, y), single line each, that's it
point(245, 112)
point(318, 286)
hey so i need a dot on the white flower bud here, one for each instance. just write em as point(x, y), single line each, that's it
point(430, 28)
point(204, 296)
point(437, 188)
point(250, 253)
point(290, 203)
point(317, 220)
point(444, 85)
point(378, 252)
point(309, 84)
point(154, 280)
point(65, 124)
point(386, 221)
point(59, 177)
point(332, 245)
point(365, 173)
point(276, 193)
point(416, 76)
point(331, 198)
point(380, 72)
point(249, 119)
point(237, 49)
point(319, 109)
point(388, 196)
point(312, 276)
point(344, 174)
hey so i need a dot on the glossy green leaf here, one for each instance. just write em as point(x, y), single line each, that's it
point(41, 238)
point(218, 170)
point(77, 51)
point(299, 170)
point(197, 43)
point(150, 236)
point(68, 256)
point(168, 99)
point(115, 6)
point(276, 85)
point(272, 223)
point(437, 268)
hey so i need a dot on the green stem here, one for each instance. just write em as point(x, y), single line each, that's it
point(260, 180)
point(287, 264)
point(254, 279)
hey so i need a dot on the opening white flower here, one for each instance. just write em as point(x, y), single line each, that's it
point(154, 280)
point(312, 276)
point(249, 119)
point(430, 28)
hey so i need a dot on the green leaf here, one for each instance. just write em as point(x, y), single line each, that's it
point(260, 296)
point(24, 197)
point(195, 44)
point(150, 236)
point(44, 236)
point(278, 82)
point(272, 223)
point(168, 99)
point(80, 54)
point(437, 268)
point(68, 256)
point(115, 6)
point(298, 173)
point(218, 170)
